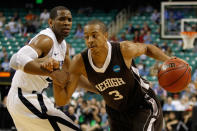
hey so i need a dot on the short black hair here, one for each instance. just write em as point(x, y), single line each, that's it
point(98, 22)
point(53, 13)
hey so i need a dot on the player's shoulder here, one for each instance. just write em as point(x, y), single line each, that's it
point(42, 44)
point(41, 40)
point(126, 44)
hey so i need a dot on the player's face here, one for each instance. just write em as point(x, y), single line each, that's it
point(94, 36)
point(62, 23)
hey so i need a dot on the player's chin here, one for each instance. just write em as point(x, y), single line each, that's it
point(65, 34)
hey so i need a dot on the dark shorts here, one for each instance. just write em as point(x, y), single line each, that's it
point(140, 120)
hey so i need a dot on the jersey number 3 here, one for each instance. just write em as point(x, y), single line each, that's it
point(117, 95)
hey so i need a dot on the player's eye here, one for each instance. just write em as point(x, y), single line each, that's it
point(70, 19)
point(94, 36)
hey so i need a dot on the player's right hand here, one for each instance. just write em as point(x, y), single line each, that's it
point(50, 64)
point(60, 78)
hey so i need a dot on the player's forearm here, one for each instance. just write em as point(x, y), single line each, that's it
point(34, 68)
point(84, 83)
point(156, 53)
point(59, 95)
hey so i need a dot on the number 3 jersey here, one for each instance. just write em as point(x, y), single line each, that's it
point(122, 88)
point(30, 82)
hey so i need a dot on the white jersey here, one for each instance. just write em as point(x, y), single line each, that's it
point(30, 82)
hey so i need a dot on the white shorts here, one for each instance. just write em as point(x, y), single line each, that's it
point(36, 112)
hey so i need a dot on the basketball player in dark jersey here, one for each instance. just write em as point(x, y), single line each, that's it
point(130, 102)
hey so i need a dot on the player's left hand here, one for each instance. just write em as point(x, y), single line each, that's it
point(50, 64)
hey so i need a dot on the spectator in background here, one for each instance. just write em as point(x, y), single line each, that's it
point(16, 16)
point(136, 37)
point(113, 38)
point(30, 16)
point(12, 26)
point(187, 93)
point(160, 92)
point(154, 69)
point(194, 76)
point(5, 65)
point(79, 32)
point(168, 106)
point(147, 38)
point(155, 16)
point(30, 27)
point(172, 122)
point(137, 28)
point(186, 123)
point(71, 113)
point(104, 119)
point(130, 29)
point(2, 20)
point(7, 32)
point(15, 29)
point(193, 100)
point(164, 46)
point(44, 16)
point(169, 51)
point(3, 54)
point(177, 103)
point(141, 37)
point(144, 71)
point(146, 28)
point(172, 25)
point(89, 118)
point(22, 27)
point(36, 22)
point(123, 37)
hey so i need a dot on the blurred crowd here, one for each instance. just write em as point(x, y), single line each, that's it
point(90, 112)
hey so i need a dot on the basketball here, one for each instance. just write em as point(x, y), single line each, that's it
point(174, 75)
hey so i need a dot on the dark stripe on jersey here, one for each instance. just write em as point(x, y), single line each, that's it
point(52, 119)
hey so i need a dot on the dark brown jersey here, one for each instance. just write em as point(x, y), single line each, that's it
point(121, 87)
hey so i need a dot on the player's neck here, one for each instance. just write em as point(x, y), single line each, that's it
point(99, 57)
point(59, 39)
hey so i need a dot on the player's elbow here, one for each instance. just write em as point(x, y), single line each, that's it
point(149, 50)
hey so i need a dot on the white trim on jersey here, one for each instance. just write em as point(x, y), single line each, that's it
point(151, 124)
point(107, 61)
point(144, 85)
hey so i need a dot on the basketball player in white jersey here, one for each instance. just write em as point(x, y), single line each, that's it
point(30, 109)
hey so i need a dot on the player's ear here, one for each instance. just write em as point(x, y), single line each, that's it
point(50, 22)
point(106, 35)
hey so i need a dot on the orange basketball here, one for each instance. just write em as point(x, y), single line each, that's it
point(174, 75)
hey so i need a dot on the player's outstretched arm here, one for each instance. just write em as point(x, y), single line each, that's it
point(26, 58)
point(132, 50)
